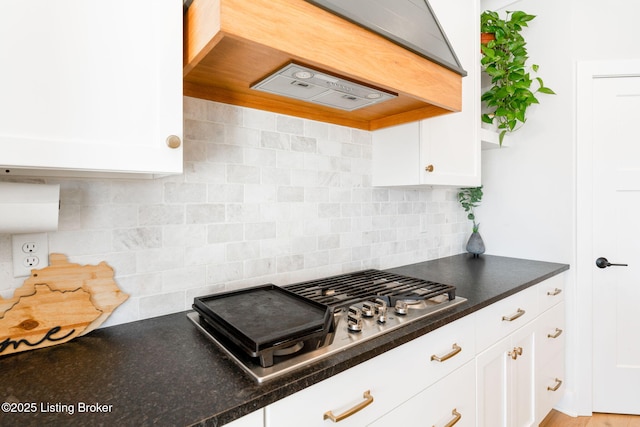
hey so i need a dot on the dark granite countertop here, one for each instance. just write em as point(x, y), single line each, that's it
point(162, 371)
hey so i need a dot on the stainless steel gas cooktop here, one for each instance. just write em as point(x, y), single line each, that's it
point(256, 327)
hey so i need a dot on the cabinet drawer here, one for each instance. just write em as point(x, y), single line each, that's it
point(500, 319)
point(551, 333)
point(549, 385)
point(440, 352)
point(390, 379)
point(338, 395)
point(551, 292)
point(449, 399)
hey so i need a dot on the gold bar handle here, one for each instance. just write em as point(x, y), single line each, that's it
point(557, 386)
point(456, 349)
point(368, 400)
point(457, 415)
point(513, 317)
point(556, 335)
point(555, 292)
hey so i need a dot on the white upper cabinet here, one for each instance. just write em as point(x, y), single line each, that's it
point(91, 87)
point(443, 150)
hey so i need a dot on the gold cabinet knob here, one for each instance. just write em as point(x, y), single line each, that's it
point(429, 168)
point(173, 141)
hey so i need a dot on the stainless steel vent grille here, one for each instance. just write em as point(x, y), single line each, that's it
point(306, 84)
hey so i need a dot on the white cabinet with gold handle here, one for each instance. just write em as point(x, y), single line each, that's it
point(449, 402)
point(443, 150)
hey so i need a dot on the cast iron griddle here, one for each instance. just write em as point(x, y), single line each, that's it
point(264, 317)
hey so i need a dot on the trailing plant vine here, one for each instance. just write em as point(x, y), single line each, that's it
point(504, 60)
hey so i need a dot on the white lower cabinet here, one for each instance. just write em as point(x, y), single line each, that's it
point(506, 381)
point(450, 401)
point(550, 364)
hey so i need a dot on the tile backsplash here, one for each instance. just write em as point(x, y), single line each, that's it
point(264, 198)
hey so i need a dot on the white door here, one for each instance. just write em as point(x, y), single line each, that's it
point(616, 236)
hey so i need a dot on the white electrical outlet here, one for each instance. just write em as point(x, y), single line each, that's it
point(30, 251)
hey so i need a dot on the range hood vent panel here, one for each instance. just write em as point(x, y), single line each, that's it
point(306, 84)
point(411, 24)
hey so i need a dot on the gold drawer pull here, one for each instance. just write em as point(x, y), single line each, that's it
point(368, 400)
point(556, 335)
point(456, 417)
point(456, 349)
point(555, 292)
point(429, 168)
point(557, 386)
point(513, 317)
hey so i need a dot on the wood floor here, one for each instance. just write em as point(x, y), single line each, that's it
point(558, 419)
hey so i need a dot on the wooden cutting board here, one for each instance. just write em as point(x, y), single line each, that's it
point(56, 304)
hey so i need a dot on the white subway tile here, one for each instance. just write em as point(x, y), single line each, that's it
point(258, 119)
point(180, 192)
point(158, 305)
point(159, 259)
point(243, 212)
point(161, 214)
point(220, 233)
point(225, 272)
point(290, 263)
point(288, 124)
point(260, 230)
point(263, 197)
point(184, 235)
point(242, 136)
point(204, 255)
point(133, 239)
point(205, 213)
point(224, 153)
point(223, 113)
point(242, 251)
point(242, 174)
point(259, 267)
point(315, 129)
point(203, 131)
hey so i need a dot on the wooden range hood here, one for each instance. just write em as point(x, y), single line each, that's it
point(231, 44)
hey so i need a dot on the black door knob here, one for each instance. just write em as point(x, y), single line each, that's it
point(602, 262)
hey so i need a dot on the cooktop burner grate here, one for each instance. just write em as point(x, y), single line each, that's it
point(338, 291)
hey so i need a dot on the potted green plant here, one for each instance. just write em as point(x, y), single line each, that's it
point(470, 198)
point(504, 60)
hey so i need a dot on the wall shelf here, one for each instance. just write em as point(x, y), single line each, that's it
point(491, 139)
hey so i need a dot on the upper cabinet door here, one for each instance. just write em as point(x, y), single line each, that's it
point(451, 143)
point(91, 86)
point(445, 149)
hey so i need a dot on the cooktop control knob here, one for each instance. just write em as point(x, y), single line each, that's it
point(368, 309)
point(354, 319)
point(401, 307)
point(381, 309)
point(382, 314)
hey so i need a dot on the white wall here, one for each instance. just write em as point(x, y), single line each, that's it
point(263, 198)
point(527, 210)
point(529, 205)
